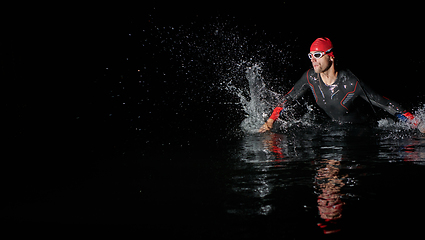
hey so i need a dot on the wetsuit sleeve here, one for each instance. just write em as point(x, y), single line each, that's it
point(379, 101)
point(390, 106)
point(298, 90)
point(276, 113)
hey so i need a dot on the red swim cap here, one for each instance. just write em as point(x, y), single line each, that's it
point(322, 45)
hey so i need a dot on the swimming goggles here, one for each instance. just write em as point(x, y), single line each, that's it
point(318, 55)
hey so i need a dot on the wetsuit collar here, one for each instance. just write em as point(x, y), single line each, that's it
point(336, 79)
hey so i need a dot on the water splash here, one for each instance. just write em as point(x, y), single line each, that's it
point(400, 129)
point(261, 100)
point(204, 64)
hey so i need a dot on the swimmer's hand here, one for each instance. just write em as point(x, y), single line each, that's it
point(266, 126)
point(413, 121)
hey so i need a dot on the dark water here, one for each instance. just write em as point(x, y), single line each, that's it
point(154, 129)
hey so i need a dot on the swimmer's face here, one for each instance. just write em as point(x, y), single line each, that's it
point(321, 64)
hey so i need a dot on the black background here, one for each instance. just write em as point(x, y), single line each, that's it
point(62, 126)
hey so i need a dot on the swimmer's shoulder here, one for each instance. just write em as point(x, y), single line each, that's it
point(345, 75)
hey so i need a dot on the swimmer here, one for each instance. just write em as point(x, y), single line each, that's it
point(335, 91)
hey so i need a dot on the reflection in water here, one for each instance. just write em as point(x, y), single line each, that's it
point(275, 161)
point(402, 148)
point(274, 167)
point(273, 144)
point(255, 181)
point(329, 184)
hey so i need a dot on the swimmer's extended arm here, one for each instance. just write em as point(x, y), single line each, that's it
point(379, 101)
point(391, 107)
point(298, 90)
point(269, 124)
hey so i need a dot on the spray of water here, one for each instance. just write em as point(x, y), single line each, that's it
point(398, 127)
point(261, 100)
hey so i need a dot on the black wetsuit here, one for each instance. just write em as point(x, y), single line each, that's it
point(337, 99)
